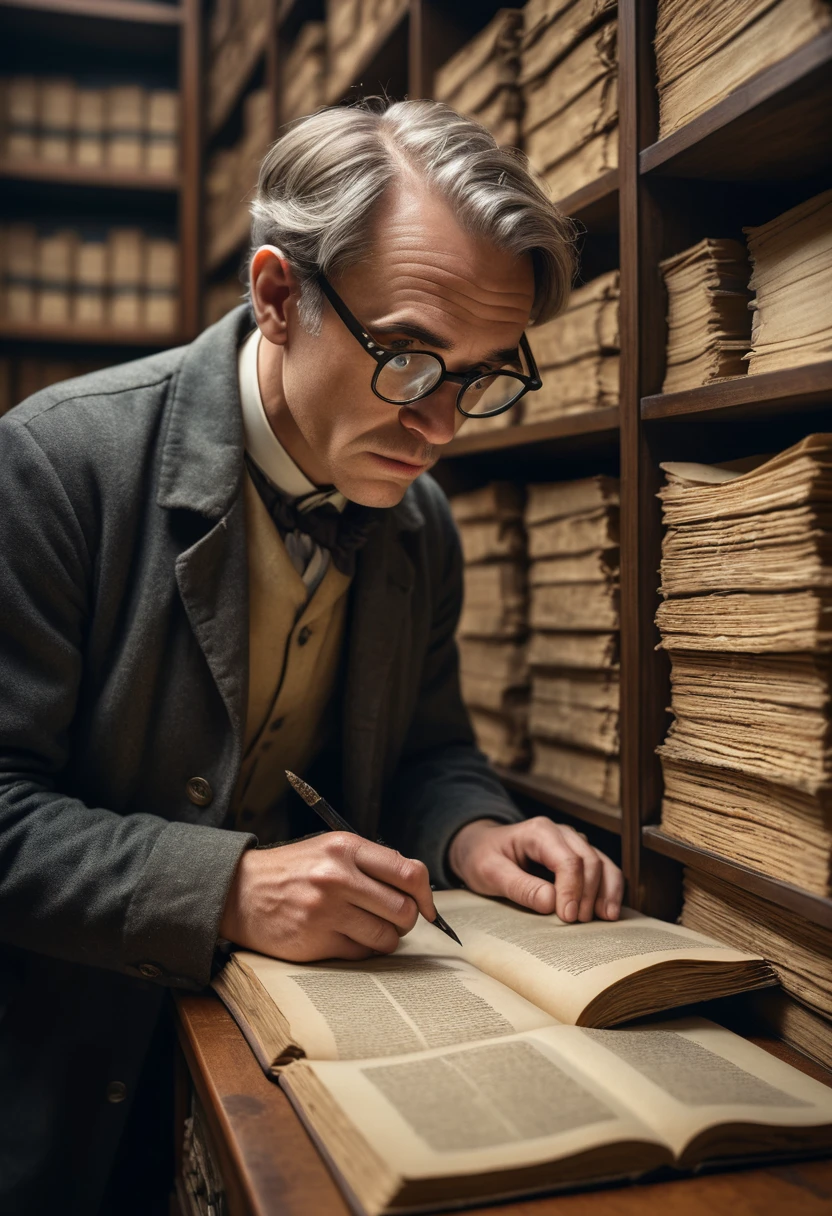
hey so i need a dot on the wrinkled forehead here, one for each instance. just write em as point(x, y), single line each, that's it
point(422, 261)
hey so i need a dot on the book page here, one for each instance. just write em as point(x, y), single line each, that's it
point(561, 967)
point(389, 1006)
point(685, 1076)
point(479, 1108)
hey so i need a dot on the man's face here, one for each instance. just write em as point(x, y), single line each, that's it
point(425, 285)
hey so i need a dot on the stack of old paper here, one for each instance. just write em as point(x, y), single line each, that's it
point(577, 354)
point(572, 530)
point(492, 626)
point(304, 72)
point(481, 78)
point(708, 322)
point(797, 949)
point(792, 260)
point(706, 51)
point(569, 77)
point(747, 619)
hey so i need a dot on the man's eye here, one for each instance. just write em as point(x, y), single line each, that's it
point(400, 363)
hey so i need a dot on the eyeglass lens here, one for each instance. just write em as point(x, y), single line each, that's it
point(407, 377)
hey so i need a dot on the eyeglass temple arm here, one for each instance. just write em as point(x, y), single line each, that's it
point(352, 323)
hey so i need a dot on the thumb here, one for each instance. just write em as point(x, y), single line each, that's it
point(508, 880)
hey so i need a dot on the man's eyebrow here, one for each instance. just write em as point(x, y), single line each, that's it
point(505, 354)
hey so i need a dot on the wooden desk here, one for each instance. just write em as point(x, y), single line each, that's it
point(270, 1167)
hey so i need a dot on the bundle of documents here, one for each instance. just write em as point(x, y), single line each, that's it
point(352, 28)
point(792, 260)
point(706, 51)
point(577, 354)
point(430, 1080)
point(57, 120)
point(119, 279)
point(747, 619)
point(237, 36)
point(572, 530)
point(232, 175)
point(569, 77)
point(492, 627)
point(708, 321)
point(304, 72)
point(798, 950)
point(480, 80)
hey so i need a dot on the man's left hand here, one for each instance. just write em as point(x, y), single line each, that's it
point(490, 858)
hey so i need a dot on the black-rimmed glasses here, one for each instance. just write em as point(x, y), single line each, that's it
point(402, 377)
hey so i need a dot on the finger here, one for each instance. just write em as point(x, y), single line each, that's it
point(610, 890)
point(372, 932)
point(345, 947)
point(402, 873)
point(502, 876)
point(549, 845)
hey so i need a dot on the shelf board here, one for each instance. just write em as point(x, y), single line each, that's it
point(141, 12)
point(769, 392)
point(373, 62)
point(70, 174)
point(813, 908)
point(72, 335)
point(562, 798)
point(593, 423)
point(775, 125)
point(220, 112)
point(229, 243)
point(596, 204)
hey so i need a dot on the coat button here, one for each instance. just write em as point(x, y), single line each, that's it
point(150, 971)
point(304, 635)
point(116, 1091)
point(199, 791)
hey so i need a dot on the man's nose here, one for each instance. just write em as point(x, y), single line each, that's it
point(435, 419)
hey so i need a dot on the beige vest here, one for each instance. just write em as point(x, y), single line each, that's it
point(294, 654)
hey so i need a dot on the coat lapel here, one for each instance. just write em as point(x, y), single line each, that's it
point(380, 605)
point(201, 472)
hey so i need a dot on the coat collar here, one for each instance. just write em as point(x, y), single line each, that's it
point(202, 459)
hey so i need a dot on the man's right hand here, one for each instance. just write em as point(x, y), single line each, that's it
point(332, 896)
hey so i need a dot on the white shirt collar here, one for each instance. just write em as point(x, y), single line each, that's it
point(262, 445)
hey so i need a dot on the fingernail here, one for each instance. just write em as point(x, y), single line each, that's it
point(612, 909)
point(571, 910)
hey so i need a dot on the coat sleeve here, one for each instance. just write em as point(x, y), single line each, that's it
point(134, 893)
point(443, 781)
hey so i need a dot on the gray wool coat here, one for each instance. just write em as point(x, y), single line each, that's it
point(123, 672)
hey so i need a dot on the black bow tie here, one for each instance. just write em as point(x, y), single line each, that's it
point(342, 533)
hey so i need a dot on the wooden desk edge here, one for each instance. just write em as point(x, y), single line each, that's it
point(271, 1167)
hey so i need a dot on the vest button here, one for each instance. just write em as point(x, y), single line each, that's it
point(199, 791)
point(150, 971)
point(116, 1091)
point(276, 725)
point(304, 635)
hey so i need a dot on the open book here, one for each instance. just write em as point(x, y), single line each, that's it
point(436, 1075)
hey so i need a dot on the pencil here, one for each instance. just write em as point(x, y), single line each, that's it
point(339, 824)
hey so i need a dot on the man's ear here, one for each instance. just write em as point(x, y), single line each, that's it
point(274, 291)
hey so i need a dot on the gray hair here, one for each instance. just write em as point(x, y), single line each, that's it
point(319, 184)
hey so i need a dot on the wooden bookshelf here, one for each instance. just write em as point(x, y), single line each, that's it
point(87, 176)
point(598, 424)
point(139, 12)
point(747, 396)
point(33, 332)
point(562, 799)
point(237, 85)
point(813, 908)
point(131, 40)
point(776, 124)
point(772, 132)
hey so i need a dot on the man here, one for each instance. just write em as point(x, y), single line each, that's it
point(224, 561)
